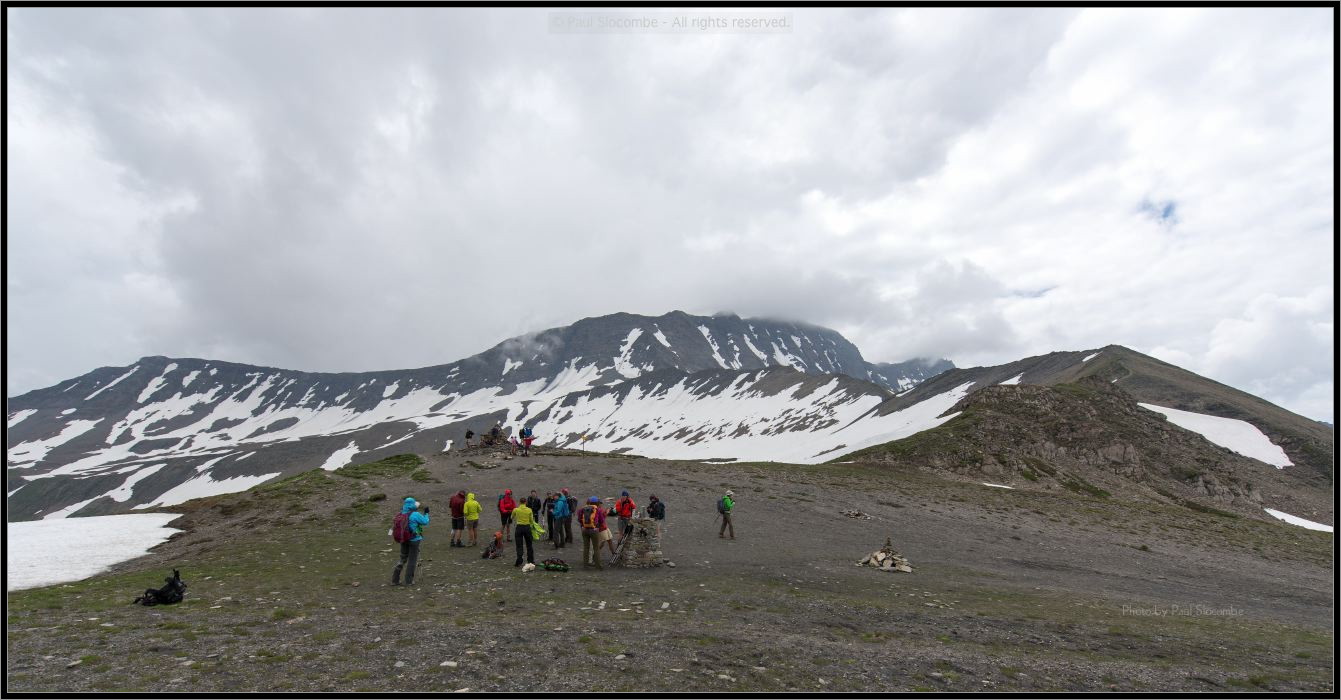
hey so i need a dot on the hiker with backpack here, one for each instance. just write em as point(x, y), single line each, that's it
point(505, 508)
point(548, 509)
point(591, 518)
point(469, 434)
point(624, 508)
point(471, 509)
point(656, 510)
point(408, 530)
point(724, 506)
point(527, 436)
point(563, 519)
point(458, 507)
point(523, 517)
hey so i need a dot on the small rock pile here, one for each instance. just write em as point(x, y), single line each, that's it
point(643, 548)
point(886, 559)
point(856, 515)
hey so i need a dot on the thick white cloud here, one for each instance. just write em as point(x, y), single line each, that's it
point(369, 189)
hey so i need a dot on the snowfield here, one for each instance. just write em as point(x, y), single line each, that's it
point(1230, 433)
point(45, 552)
point(1296, 520)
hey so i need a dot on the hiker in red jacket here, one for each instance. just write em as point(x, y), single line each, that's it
point(505, 507)
point(624, 508)
point(458, 506)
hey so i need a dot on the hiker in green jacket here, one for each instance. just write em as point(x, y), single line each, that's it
point(724, 507)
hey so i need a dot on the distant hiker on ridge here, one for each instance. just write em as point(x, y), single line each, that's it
point(724, 507)
point(408, 530)
point(458, 508)
point(527, 437)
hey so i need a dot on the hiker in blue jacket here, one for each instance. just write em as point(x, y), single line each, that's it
point(563, 519)
point(409, 551)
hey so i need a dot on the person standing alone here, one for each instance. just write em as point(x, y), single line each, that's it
point(413, 527)
point(724, 507)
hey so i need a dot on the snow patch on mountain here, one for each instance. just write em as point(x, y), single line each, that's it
point(122, 493)
point(1089, 357)
point(755, 350)
point(716, 352)
point(1014, 380)
point(26, 454)
point(1296, 520)
point(787, 359)
point(341, 457)
point(623, 365)
point(1230, 433)
point(387, 392)
point(924, 415)
point(661, 337)
point(113, 383)
point(156, 383)
point(509, 365)
point(18, 417)
point(204, 486)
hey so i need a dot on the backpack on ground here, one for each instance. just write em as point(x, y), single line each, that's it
point(173, 591)
point(554, 564)
point(495, 547)
point(400, 528)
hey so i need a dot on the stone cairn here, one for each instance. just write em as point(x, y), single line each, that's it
point(886, 559)
point(642, 547)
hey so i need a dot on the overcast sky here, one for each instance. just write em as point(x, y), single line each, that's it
point(357, 189)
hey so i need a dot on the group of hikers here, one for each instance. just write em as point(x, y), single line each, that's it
point(520, 442)
point(521, 521)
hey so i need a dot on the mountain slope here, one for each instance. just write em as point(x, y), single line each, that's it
point(1093, 437)
point(1309, 445)
point(163, 430)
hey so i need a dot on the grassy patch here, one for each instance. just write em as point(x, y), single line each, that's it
point(394, 466)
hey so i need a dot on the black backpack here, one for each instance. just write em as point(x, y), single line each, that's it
point(657, 510)
point(173, 591)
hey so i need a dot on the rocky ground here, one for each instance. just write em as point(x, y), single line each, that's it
point(1010, 590)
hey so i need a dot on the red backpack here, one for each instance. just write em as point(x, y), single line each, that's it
point(400, 528)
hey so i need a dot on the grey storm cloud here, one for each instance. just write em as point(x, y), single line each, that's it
point(361, 188)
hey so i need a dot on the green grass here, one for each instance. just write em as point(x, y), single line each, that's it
point(390, 467)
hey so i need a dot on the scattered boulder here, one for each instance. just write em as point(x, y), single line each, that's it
point(886, 559)
point(857, 515)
